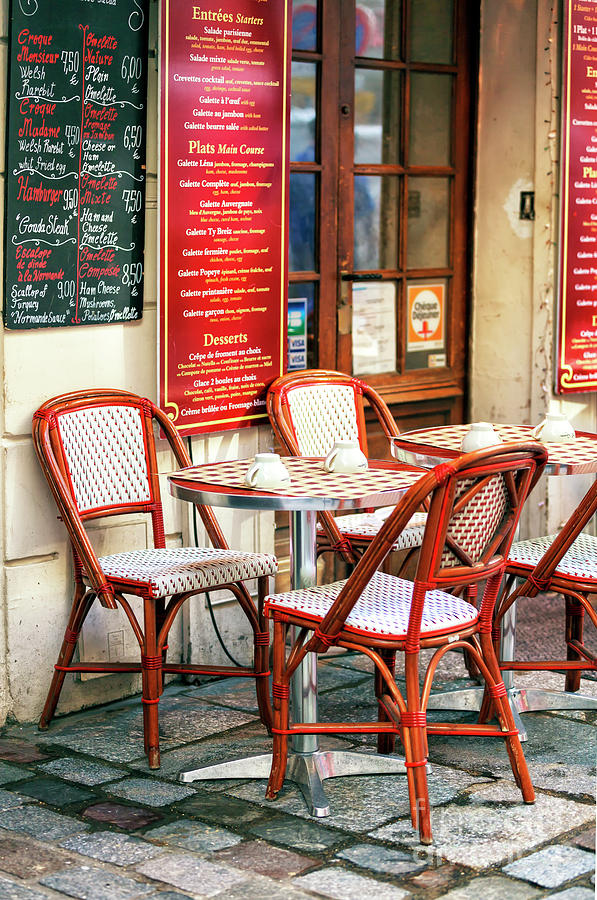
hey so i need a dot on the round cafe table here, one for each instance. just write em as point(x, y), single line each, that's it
point(311, 489)
point(430, 446)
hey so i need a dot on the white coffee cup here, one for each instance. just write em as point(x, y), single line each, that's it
point(267, 472)
point(554, 427)
point(479, 435)
point(346, 457)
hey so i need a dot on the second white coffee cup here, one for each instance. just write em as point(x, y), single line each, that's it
point(267, 472)
point(345, 457)
point(555, 427)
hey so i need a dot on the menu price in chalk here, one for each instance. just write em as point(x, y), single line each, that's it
point(75, 206)
point(224, 190)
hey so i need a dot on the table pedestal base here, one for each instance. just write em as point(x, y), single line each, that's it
point(522, 700)
point(307, 770)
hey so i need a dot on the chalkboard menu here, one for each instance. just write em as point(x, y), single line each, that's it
point(75, 162)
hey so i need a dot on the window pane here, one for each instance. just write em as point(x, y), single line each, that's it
point(377, 32)
point(428, 223)
point(302, 221)
point(431, 31)
point(377, 116)
point(430, 119)
point(302, 111)
point(302, 346)
point(376, 221)
point(304, 25)
point(373, 328)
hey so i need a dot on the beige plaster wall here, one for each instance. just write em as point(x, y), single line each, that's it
point(35, 599)
point(515, 270)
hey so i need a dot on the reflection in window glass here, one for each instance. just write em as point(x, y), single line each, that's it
point(304, 25)
point(302, 297)
point(302, 111)
point(377, 31)
point(377, 116)
point(430, 118)
point(302, 221)
point(376, 221)
point(431, 31)
point(428, 223)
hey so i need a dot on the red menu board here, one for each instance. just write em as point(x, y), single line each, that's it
point(223, 209)
point(577, 339)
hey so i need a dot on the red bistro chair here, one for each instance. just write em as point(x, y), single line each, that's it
point(97, 450)
point(567, 564)
point(311, 409)
point(474, 506)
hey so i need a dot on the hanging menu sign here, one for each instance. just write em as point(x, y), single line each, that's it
point(223, 209)
point(577, 340)
point(75, 162)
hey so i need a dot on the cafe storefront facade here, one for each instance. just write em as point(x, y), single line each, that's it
point(413, 262)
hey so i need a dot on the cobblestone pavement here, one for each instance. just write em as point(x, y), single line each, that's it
point(82, 816)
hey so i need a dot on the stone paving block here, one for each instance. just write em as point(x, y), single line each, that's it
point(344, 885)
point(193, 835)
point(42, 824)
point(307, 836)
point(265, 859)
point(10, 773)
point(220, 810)
point(360, 803)
point(125, 817)
point(12, 799)
point(495, 887)
point(492, 827)
point(380, 859)
point(190, 873)
point(20, 751)
point(253, 740)
point(55, 792)
point(552, 866)
point(574, 893)
point(27, 859)
point(93, 883)
point(435, 879)
point(169, 895)
point(9, 890)
point(150, 792)
point(585, 840)
point(259, 888)
point(82, 771)
point(112, 847)
point(563, 777)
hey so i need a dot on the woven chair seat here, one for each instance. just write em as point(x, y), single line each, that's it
point(164, 572)
point(580, 561)
point(364, 526)
point(382, 610)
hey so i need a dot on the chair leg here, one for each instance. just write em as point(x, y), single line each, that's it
point(281, 714)
point(261, 660)
point(386, 743)
point(151, 669)
point(82, 603)
point(574, 632)
point(506, 721)
point(415, 753)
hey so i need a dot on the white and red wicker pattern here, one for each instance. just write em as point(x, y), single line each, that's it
point(308, 478)
point(322, 414)
point(579, 561)
point(382, 609)
point(475, 525)
point(164, 572)
point(364, 526)
point(576, 457)
point(105, 452)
